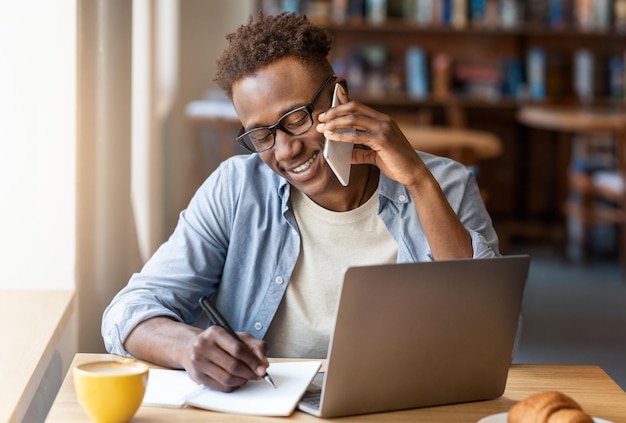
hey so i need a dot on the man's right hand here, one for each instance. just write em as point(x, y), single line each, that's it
point(221, 362)
point(211, 357)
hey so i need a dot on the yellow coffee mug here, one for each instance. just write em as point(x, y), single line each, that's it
point(110, 391)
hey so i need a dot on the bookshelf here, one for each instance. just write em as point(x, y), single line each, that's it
point(484, 65)
point(486, 58)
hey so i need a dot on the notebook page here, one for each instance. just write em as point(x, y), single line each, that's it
point(168, 388)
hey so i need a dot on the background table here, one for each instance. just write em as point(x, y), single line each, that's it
point(589, 385)
point(466, 146)
point(32, 323)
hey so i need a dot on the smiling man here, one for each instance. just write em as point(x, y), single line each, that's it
point(269, 234)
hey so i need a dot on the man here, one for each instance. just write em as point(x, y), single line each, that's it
point(269, 234)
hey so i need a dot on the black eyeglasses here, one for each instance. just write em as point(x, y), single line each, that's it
point(294, 122)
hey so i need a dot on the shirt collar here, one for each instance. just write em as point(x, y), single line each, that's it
point(387, 188)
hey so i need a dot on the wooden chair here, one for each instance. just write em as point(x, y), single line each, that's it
point(595, 190)
point(597, 196)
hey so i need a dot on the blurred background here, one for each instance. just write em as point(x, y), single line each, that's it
point(111, 122)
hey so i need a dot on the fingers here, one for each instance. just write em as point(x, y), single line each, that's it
point(346, 115)
point(388, 148)
point(356, 116)
point(221, 362)
point(342, 93)
point(360, 125)
point(258, 348)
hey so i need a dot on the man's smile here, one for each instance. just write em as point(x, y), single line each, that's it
point(304, 166)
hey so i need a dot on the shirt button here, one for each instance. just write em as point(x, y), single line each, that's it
point(279, 280)
point(402, 198)
point(258, 325)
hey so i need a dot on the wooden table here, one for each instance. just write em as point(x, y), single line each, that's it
point(32, 323)
point(466, 146)
point(599, 395)
point(568, 119)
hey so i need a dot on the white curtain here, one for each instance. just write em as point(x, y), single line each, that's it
point(154, 86)
point(126, 82)
point(106, 242)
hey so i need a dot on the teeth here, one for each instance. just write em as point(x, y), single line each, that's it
point(305, 165)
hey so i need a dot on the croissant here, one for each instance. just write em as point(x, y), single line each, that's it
point(548, 407)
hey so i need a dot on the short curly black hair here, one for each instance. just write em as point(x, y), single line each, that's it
point(268, 39)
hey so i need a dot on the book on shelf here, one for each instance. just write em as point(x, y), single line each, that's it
point(492, 14)
point(617, 77)
point(536, 73)
point(459, 14)
point(510, 13)
point(445, 12)
point(556, 13)
point(583, 75)
point(356, 10)
point(477, 11)
point(602, 14)
point(619, 15)
point(291, 6)
point(513, 83)
point(424, 12)
point(479, 78)
point(339, 11)
point(416, 73)
point(441, 65)
point(584, 14)
point(376, 11)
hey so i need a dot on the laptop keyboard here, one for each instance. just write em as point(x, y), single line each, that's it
point(312, 397)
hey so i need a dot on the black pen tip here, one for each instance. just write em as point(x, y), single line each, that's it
point(269, 380)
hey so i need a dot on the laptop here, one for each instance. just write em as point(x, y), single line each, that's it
point(420, 334)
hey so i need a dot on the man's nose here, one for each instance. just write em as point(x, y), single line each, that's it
point(286, 146)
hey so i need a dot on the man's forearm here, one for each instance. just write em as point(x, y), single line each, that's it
point(446, 235)
point(161, 340)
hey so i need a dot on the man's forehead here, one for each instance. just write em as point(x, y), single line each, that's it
point(288, 71)
point(287, 83)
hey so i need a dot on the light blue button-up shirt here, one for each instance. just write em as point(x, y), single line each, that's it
point(238, 239)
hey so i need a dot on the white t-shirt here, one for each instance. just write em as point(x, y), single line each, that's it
point(331, 242)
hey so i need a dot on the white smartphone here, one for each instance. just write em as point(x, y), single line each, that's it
point(338, 155)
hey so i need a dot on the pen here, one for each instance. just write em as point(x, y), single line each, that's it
point(216, 317)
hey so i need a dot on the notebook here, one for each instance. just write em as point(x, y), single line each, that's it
point(174, 388)
point(421, 334)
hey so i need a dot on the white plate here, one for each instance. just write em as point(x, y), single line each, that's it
point(501, 418)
